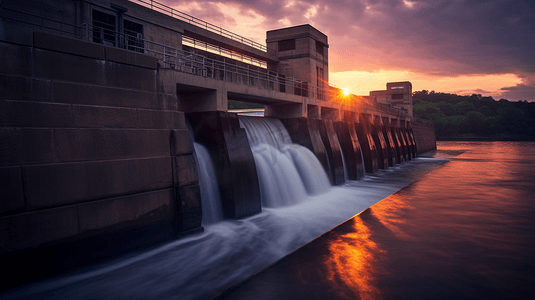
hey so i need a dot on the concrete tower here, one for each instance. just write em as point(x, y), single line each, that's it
point(303, 54)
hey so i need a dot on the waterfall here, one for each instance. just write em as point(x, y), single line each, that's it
point(210, 198)
point(212, 210)
point(346, 177)
point(287, 172)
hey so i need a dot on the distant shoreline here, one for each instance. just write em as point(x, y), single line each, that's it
point(487, 139)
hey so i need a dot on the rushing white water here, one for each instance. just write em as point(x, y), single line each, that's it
point(287, 172)
point(346, 177)
point(210, 197)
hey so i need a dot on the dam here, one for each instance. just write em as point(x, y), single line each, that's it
point(113, 112)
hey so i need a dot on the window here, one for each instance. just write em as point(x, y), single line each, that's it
point(397, 96)
point(319, 47)
point(133, 33)
point(287, 45)
point(319, 82)
point(103, 28)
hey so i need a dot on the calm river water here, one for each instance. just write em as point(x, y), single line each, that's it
point(465, 230)
point(463, 226)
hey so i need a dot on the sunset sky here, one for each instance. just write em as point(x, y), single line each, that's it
point(454, 46)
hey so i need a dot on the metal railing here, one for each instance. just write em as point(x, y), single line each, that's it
point(185, 61)
point(200, 65)
point(162, 8)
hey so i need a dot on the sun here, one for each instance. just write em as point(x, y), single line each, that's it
point(345, 91)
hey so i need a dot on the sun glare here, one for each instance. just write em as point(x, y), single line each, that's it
point(345, 91)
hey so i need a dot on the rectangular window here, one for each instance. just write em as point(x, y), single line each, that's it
point(287, 45)
point(319, 47)
point(103, 28)
point(319, 82)
point(134, 36)
point(397, 96)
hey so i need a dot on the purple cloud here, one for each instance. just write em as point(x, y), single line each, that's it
point(437, 37)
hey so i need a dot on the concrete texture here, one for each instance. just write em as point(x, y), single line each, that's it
point(369, 149)
point(424, 135)
point(380, 143)
point(350, 145)
point(11, 193)
point(400, 157)
point(33, 229)
point(306, 132)
point(53, 185)
point(391, 145)
point(405, 144)
point(332, 149)
point(121, 211)
point(62, 44)
point(90, 149)
point(220, 132)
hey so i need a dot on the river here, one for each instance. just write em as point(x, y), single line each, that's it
point(461, 226)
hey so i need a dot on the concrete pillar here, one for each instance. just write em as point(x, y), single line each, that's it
point(351, 148)
point(332, 148)
point(305, 132)
point(380, 142)
point(369, 149)
point(229, 148)
point(390, 143)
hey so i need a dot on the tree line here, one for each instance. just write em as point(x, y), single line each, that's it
point(475, 115)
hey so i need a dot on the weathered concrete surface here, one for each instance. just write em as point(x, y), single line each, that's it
point(391, 146)
point(90, 149)
point(380, 143)
point(369, 149)
point(332, 148)
point(403, 143)
point(410, 146)
point(400, 157)
point(305, 132)
point(424, 135)
point(236, 174)
point(351, 148)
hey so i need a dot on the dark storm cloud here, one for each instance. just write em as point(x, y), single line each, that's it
point(439, 37)
point(463, 37)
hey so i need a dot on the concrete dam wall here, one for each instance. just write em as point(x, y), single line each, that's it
point(96, 158)
point(90, 147)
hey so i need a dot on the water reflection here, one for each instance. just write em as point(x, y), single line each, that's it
point(465, 230)
point(350, 264)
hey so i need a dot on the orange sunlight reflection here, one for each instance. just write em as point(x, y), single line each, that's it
point(350, 266)
point(388, 213)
